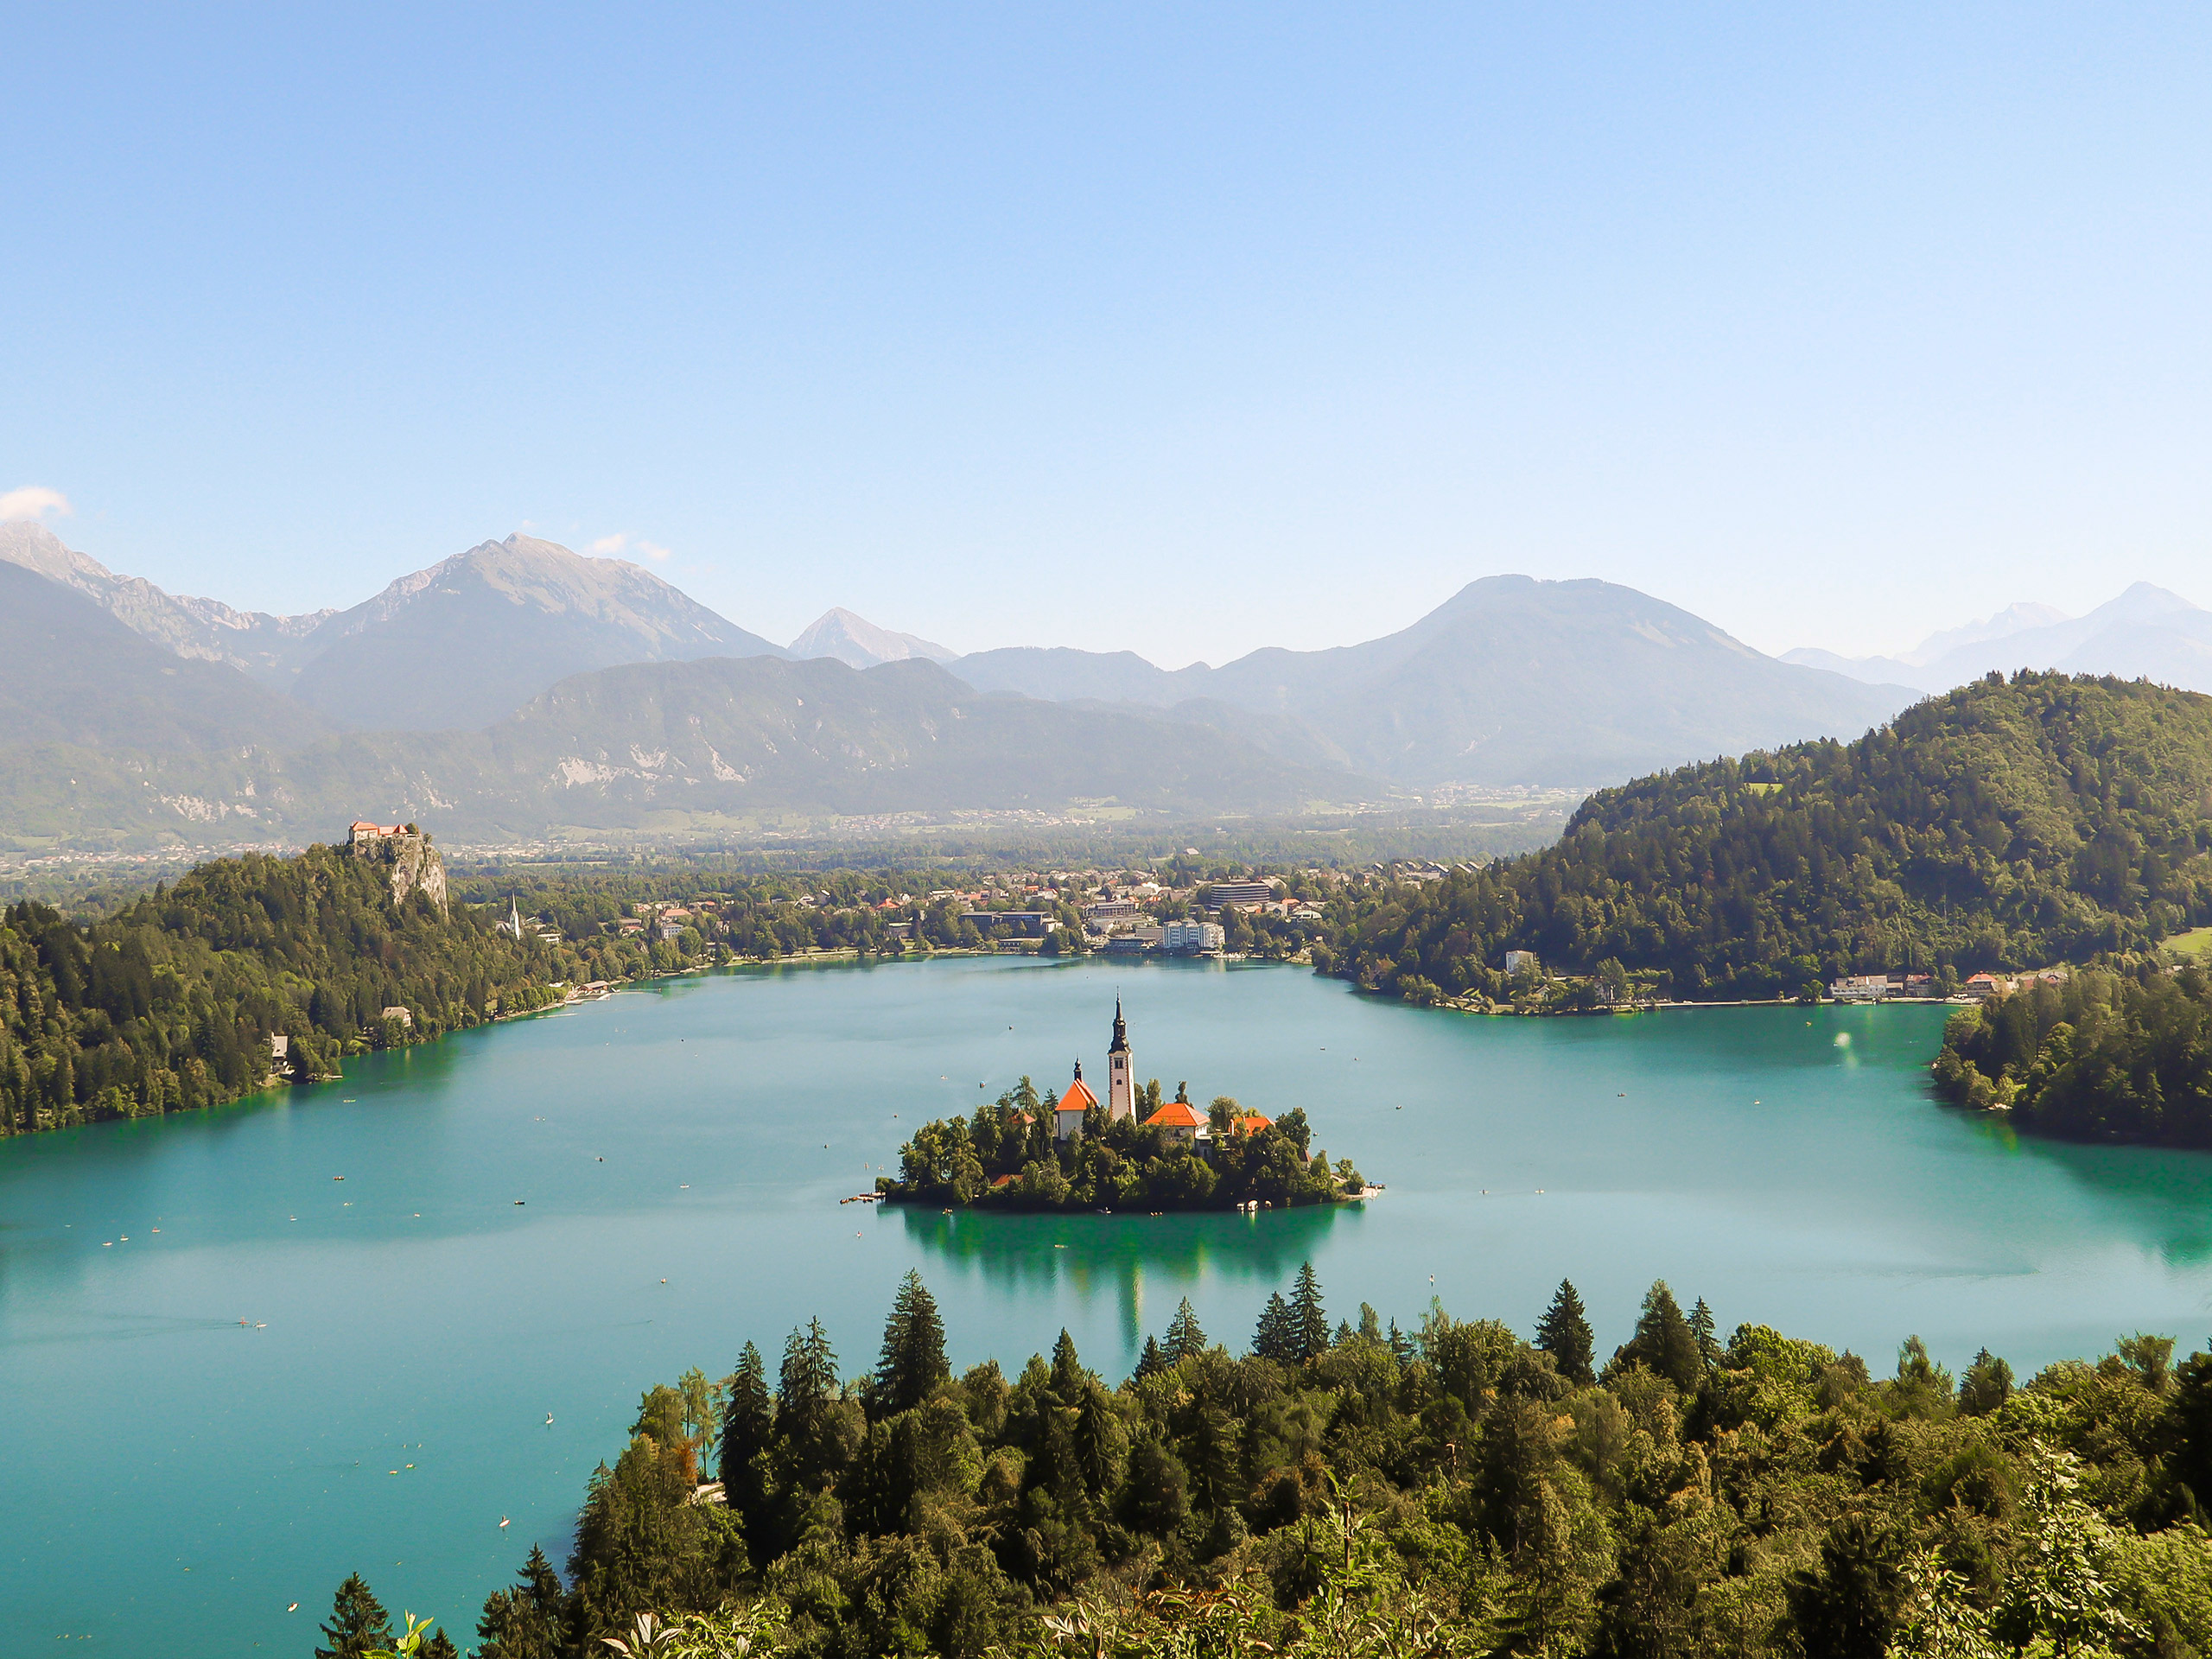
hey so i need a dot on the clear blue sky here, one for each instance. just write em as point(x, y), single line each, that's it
point(1180, 329)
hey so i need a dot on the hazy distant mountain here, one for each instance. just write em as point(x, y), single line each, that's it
point(1063, 674)
point(2147, 632)
point(476, 636)
point(457, 645)
point(267, 647)
point(859, 643)
point(106, 737)
point(718, 743)
point(2012, 620)
point(71, 673)
point(1511, 681)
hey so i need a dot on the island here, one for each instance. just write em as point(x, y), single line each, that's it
point(1132, 1152)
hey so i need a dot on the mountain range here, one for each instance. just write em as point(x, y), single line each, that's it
point(518, 688)
point(2147, 632)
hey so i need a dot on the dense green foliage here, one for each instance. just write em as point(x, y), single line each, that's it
point(1006, 1155)
point(170, 1004)
point(2103, 1057)
point(2004, 825)
point(1361, 1489)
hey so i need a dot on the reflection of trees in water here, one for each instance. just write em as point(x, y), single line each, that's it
point(2167, 1193)
point(1148, 1262)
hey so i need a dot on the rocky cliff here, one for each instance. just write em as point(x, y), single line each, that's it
point(414, 866)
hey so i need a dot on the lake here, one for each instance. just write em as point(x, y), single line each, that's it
point(232, 1377)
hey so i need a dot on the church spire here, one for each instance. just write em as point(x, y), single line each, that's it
point(1121, 1071)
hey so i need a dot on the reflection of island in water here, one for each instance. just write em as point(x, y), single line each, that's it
point(1151, 1262)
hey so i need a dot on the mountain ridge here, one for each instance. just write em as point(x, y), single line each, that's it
point(859, 643)
point(1511, 680)
point(2146, 632)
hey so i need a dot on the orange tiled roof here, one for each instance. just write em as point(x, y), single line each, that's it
point(1002, 1180)
point(1175, 1115)
point(1253, 1122)
point(1079, 1098)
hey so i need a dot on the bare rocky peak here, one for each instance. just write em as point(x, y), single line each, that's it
point(204, 629)
point(547, 577)
point(852, 639)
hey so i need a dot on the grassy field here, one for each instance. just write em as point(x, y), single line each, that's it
point(2198, 942)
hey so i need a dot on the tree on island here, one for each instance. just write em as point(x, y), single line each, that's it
point(1564, 1333)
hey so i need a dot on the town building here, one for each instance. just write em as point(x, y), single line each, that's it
point(1238, 893)
point(1860, 987)
point(1519, 961)
point(1191, 938)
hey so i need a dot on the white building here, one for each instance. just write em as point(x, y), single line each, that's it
point(1193, 937)
point(1516, 961)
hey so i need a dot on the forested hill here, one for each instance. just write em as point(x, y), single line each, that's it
point(2007, 824)
point(171, 1003)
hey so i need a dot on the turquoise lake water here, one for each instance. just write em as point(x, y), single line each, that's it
point(175, 1477)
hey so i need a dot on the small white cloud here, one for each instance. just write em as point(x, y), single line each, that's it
point(32, 501)
point(607, 546)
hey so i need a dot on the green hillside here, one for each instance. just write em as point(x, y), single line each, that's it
point(2004, 825)
point(170, 1004)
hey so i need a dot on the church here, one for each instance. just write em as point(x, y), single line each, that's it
point(1121, 1086)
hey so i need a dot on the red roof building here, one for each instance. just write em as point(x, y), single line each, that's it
point(1176, 1121)
point(1067, 1116)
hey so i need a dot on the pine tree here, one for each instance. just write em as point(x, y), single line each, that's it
point(808, 1375)
point(523, 1621)
point(1702, 1331)
point(806, 1396)
point(1152, 1362)
point(1271, 1337)
point(1068, 1377)
point(1663, 1342)
point(1309, 1327)
point(358, 1623)
point(1564, 1333)
point(912, 1366)
point(1185, 1339)
point(748, 1429)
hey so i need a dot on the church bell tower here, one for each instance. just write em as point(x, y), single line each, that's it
point(1120, 1083)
